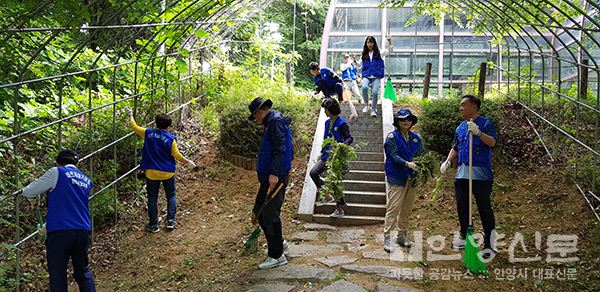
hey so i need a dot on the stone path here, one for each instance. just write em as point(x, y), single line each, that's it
point(328, 258)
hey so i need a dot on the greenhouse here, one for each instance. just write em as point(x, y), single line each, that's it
point(377, 145)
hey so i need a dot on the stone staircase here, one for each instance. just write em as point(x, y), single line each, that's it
point(364, 185)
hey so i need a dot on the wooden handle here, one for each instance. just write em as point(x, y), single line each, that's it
point(470, 175)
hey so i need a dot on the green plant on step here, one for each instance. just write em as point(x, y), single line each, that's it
point(337, 165)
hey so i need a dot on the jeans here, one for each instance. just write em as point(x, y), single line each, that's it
point(269, 220)
point(62, 245)
point(482, 191)
point(152, 187)
point(374, 83)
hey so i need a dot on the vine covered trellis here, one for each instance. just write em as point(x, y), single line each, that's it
point(547, 60)
point(69, 68)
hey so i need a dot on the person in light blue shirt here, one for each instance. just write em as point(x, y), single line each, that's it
point(68, 221)
point(484, 139)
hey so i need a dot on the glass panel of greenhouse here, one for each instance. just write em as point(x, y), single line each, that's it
point(454, 49)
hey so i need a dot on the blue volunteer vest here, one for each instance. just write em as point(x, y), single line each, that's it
point(482, 154)
point(349, 73)
point(335, 132)
point(407, 152)
point(373, 68)
point(156, 154)
point(68, 203)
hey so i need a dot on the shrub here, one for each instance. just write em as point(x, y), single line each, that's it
point(440, 117)
point(242, 137)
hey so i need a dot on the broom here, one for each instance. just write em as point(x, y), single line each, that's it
point(251, 241)
point(472, 259)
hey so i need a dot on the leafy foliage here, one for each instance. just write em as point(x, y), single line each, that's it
point(428, 164)
point(337, 166)
point(441, 117)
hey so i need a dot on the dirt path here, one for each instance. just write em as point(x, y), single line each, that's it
point(214, 204)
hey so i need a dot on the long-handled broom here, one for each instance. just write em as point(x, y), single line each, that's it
point(472, 260)
point(251, 241)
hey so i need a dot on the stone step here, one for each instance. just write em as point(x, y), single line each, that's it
point(369, 156)
point(353, 209)
point(367, 132)
point(365, 197)
point(365, 125)
point(370, 147)
point(364, 185)
point(363, 118)
point(348, 220)
point(359, 106)
point(372, 139)
point(365, 175)
point(366, 165)
point(293, 273)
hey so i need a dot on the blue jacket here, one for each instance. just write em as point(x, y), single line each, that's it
point(349, 73)
point(339, 131)
point(276, 150)
point(482, 154)
point(397, 153)
point(326, 81)
point(68, 202)
point(156, 153)
point(374, 68)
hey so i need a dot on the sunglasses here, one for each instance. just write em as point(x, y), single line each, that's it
point(403, 119)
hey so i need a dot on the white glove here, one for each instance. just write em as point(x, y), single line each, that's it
point(444, 167)
point(412, 165)
point(41, 230)
point(473, 128)
point(191, 164)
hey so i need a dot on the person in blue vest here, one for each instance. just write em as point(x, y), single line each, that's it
point(159, 154)
point(349, 68)
point(401, 147)
point(330, 84)
point(484, 139)
point(68, 222)
point(373, 69)
point(275, 157)
point(336, 127)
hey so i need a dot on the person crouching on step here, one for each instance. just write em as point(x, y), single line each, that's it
point(335, 127)
point(401, 147)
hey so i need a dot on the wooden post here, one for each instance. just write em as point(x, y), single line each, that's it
point(583, 85)
point(289, 73)
point(427, 80)
point(482, 73)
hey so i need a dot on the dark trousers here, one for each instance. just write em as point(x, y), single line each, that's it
point(482, 191)
point(62, 245)
point(269, 219)
point(337, 90)
point(315, 175)
point(152, 188)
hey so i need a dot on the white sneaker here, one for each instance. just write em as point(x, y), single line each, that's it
point(337, 213)
point(272, 263)
point(365, 109)
point(458, 244)
point(374, 114)
point(286, 246)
